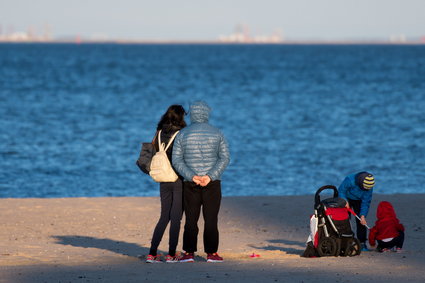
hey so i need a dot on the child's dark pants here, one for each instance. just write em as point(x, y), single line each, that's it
point(396, 242)
point(361, 229)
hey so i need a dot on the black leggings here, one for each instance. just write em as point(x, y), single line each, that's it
point(209, 198)
point(396, 242)
point(171, 195)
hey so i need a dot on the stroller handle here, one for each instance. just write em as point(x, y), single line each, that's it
point(326, 187)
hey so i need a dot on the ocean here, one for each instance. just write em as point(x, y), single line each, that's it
point(296, 117)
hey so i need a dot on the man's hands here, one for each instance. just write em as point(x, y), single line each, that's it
point(201, 180)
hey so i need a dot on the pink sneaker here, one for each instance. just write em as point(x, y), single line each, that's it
point(172, 259)
point(214, 257)
point(153, 259)
point(187, 257)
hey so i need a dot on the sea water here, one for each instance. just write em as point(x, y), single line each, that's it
point(72, 117)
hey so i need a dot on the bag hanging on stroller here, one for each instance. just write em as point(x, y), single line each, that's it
point(330, 228)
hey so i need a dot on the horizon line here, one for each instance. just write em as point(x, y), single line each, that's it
point(218, 42)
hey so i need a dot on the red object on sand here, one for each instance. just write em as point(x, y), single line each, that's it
point(254, 255)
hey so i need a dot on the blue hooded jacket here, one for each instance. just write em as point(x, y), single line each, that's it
point(200, 148)
point(349, 189)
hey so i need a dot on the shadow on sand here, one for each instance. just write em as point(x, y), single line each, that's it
point(119, 247)
point(287, 246)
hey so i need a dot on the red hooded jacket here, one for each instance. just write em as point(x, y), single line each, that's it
point(387, 225)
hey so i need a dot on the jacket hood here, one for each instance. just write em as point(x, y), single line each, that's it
point(199, 112)
point(385, 210)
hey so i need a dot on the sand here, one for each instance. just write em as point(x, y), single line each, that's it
point(106, 240)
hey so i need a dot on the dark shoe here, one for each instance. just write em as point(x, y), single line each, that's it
point(187, 257)
point(214, 258)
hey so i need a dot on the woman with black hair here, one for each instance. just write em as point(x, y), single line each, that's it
point(171, 193)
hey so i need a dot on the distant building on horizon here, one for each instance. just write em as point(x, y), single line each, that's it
point(26, 36)
point(242, 34)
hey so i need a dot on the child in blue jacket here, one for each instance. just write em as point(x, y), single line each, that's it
point(357, 189)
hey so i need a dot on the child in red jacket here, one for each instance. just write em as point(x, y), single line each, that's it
point(388, 231)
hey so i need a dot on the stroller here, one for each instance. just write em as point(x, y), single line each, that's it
point(331, 233)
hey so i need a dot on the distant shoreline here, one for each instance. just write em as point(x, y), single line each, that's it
point(176, 42)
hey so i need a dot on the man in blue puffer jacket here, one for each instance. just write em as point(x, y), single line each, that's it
point(200, 155)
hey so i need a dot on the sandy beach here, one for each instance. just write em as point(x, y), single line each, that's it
point(106, 240)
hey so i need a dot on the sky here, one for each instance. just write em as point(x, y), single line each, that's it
point(207, 20)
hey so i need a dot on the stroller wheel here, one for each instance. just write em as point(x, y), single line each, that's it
point(327, 247)
point(354, 248)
